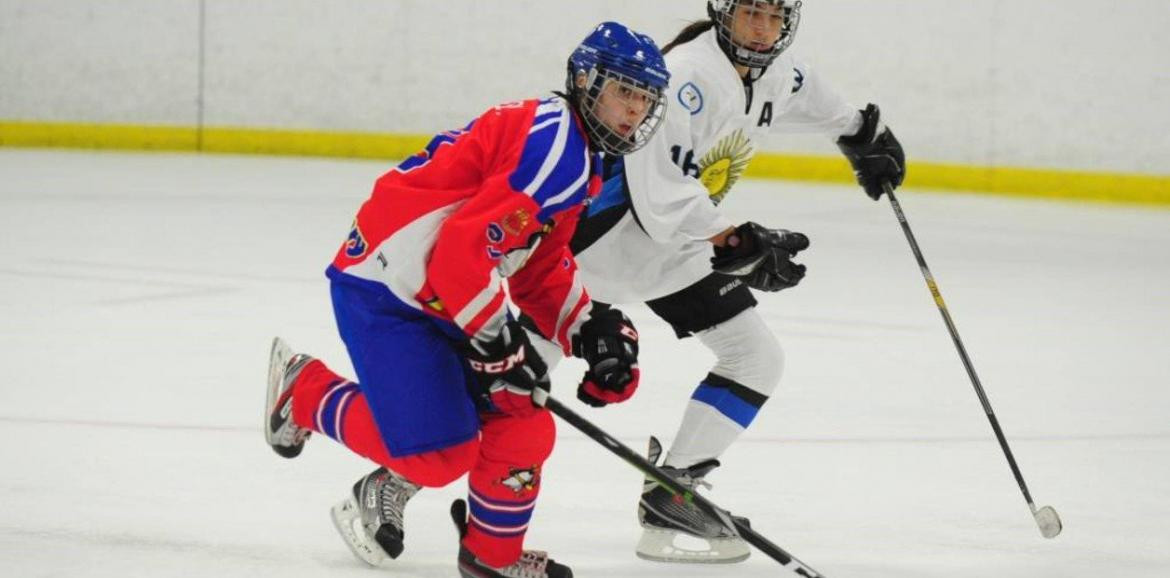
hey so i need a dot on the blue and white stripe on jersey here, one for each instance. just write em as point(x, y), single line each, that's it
point(554, 166)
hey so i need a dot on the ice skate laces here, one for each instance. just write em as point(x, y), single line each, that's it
point(532, 564)
point(393, 493)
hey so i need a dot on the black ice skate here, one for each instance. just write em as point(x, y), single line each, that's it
point(370, 519)
point(532, 563)
point(674, 530)
point(285, 437)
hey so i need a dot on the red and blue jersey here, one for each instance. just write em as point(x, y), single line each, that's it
point(497, 200)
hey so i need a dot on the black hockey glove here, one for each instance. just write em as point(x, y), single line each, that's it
point(875, 154)
point(511, 375)
point(762, 257)
point(608, 342)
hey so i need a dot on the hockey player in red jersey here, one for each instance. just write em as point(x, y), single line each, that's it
point(448, 382)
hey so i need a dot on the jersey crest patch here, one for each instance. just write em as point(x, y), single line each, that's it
point(722, 166)
point(517, 221)
point(691, 98)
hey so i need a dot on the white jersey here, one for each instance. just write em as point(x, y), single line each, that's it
point(664, 196)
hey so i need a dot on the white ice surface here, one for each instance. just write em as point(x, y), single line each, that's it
point(139, 292)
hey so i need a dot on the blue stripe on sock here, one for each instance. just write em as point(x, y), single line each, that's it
point(490, 532)
point(727, 403)
point(500, 519)
point(328, 417)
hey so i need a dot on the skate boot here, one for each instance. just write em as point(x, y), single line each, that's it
point(285, 437)
point(532, 563)
point(370, 519)
point(676, 531)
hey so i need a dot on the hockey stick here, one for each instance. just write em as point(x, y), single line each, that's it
point(1046, 517)
point(635, 459)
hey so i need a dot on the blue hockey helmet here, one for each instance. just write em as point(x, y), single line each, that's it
point(629, 69)
point(723, 13)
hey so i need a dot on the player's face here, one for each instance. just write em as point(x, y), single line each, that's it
point(757, 25)
point(623, 107)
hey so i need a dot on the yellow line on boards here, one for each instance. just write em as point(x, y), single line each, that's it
point(98, 136)
point(1008, 181)
point(346, 145)
point(1020, 182)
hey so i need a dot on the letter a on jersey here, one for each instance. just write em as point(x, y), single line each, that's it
point(766, 115)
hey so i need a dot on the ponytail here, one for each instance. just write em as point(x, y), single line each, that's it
point(691, 32)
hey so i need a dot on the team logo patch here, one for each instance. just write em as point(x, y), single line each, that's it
point(517, 221)
point(495, 234)
point(355, 244)
point(690, 98)
point(722, 166)
point(521, 481)
point(494, 253)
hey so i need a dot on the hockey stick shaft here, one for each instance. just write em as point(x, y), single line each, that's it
point(942, 308)
point(643, 465)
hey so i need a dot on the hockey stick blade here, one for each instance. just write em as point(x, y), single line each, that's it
point(1049, 522)
point(765, 546)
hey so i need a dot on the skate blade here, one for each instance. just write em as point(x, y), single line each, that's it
point(676, 547)
point(277, 360)
point(348, 520)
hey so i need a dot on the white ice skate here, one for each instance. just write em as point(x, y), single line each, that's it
point(675, 531)
point(285, 437)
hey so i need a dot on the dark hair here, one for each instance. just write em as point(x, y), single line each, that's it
point(691, 32)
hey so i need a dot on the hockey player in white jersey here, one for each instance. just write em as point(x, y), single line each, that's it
point(656, 235)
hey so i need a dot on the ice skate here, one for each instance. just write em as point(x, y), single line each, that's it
point(285, 437)
point(532, 563)
point(676, 531)
point(370, 519)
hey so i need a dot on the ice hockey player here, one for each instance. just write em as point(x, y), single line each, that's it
point(448, 382)
point(655, 235)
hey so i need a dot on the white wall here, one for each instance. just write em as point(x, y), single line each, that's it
point(1077, 84)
